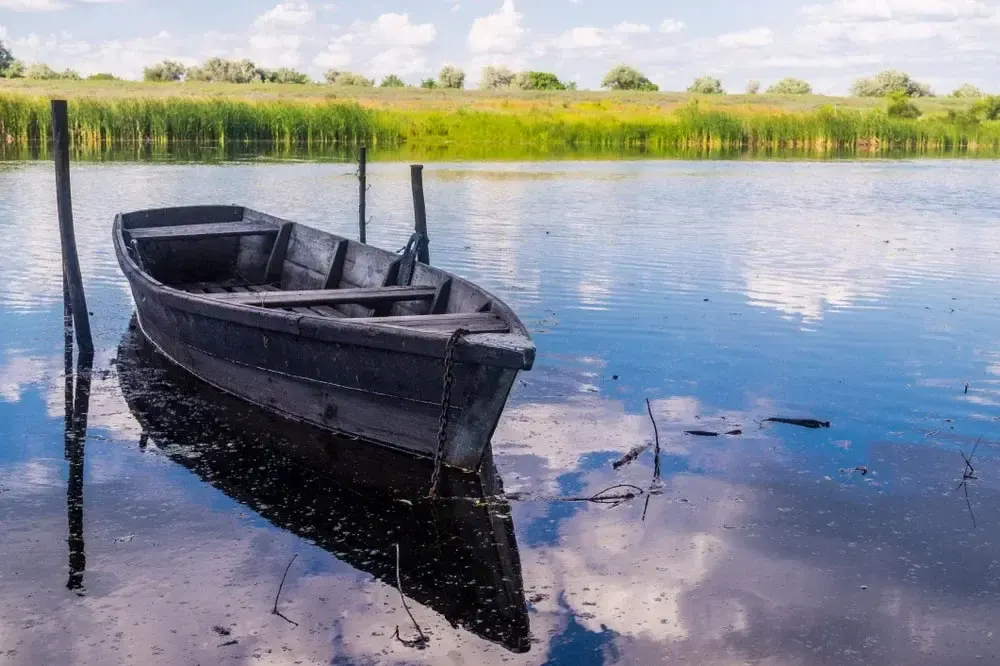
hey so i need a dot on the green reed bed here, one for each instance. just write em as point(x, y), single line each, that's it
point(608, 125)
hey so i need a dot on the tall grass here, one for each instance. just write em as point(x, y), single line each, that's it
point(605, 124)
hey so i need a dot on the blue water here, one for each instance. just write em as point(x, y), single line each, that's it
point(725, 293)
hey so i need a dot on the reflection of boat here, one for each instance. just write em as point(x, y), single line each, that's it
point(325, 329)
point(458, 556)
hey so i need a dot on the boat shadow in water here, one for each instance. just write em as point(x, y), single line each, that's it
point(458, 553)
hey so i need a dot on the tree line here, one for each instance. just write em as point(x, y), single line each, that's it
point(888, 83)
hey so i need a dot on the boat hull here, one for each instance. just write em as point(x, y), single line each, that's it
point(386, 396)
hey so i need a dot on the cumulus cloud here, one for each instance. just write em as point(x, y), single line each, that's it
point(33, 5)
point(286, 15)
point(497, 33)
point(629, 28)
point(670, 26)
point(747, 38)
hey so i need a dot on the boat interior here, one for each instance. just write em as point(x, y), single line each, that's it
point(244, 257)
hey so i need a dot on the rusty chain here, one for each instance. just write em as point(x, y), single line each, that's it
point(449, 380)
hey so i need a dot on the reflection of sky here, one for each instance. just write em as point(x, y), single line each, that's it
point(764, 547)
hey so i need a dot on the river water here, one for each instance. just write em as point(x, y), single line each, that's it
point(724, 293)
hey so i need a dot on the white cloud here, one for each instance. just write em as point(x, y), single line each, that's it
point(670, 26)
point(337, 53)
point(884, 10)
point(497, 33)
point(290, 14)
point(629, 28)
point(33, 5)
point(585, 37)
point(760, 36)
point(396, 30)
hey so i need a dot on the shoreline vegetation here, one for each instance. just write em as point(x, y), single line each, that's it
point(110, 113)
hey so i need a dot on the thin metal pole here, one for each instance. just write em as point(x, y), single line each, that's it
point(64, 201)
point(362, 193)
point(419, 211)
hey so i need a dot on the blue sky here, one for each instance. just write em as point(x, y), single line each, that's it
point(828, 42)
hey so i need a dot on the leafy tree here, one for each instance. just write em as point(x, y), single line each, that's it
point(539, 81)
point(168, 70)
point(451, 77)
point(220, 70)
point(70, 74)
point(885, 83)
point(988, 107)
point(900, 106)
point(706, 85)
point(790, 86)
point(103, 76)
point(623, 77)
point(753, 87)
point(429, 84)
point(570, 85)
point(393, 81)
point(15, 70)
point(967, 90)
point(6, 60)
point(338, 78)
point(496, 77)
point(41, 71)
point(284, 75)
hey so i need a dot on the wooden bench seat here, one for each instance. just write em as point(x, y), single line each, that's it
point(312, 297)
point(209, 230)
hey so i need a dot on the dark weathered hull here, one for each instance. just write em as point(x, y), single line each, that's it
point(369, 382)
point(458, 555)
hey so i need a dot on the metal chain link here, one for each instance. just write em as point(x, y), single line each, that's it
point(449, 380)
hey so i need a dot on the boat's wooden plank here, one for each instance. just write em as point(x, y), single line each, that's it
point(426, 276)
point(300, 278)
point(193, 231)
point(162, 217)
point(276, 261)
point(312, 297)
point(336, 271)
point(443, 323)
point(440, 302)
point(312, 248)
point(367, 266)
point(322, 310)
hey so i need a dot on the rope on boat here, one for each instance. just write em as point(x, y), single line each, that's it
point(449, 380)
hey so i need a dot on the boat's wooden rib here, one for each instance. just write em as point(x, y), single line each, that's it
point(287, 299)
point(321, 328)
point(196, 231)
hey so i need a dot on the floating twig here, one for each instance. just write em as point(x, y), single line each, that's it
point(701, 433)
point(277, 596)
point(969, 474)
point(804, 423)
point(656, 436)
point(421, 641)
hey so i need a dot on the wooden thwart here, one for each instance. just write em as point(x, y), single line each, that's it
point(194, 231)
point(285, 299)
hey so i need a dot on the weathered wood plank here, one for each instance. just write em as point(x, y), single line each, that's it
point(475, 323)
point(276, 261)
point(300, 278)
point(192, 231)
point(312, 248)
point(285, 299)
point(163, 217)
point(440, 302)
point(336, 271)
point(367, 266)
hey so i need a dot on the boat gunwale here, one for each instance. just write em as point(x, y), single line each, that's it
point(513, 349)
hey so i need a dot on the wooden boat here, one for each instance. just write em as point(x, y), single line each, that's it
point(324, 329)
point(458, 555)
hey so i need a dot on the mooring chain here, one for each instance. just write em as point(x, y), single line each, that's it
point(449, 380)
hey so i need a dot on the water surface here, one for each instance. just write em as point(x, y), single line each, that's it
point(724, 293)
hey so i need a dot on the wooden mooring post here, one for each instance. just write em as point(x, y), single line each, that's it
point(362, 193)
point(419, 211)
point(72, 279)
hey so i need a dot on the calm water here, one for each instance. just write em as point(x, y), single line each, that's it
point(864, 294)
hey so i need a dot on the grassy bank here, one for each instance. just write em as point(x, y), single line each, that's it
point(115, 113)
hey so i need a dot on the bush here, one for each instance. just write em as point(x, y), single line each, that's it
point(968, 91)
point(451, 77)
point(623, 77)
point(338, 78)
point(284, 75)
point(538, 81)
point(988, 108)
point(900, 106)
point(885, 83)
point(168, 70)
point(428, 84)
point(220, 70)
point(790, 86)
point(493, 77)
point(6, 61)
point(392, 81)
point(707, 85)
point(103, 76)
point(753, 87)
point(40, 71)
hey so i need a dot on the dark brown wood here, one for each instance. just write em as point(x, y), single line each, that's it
point(362, 193)
point(336, 266)
point(440, 302)
point(276, 262)
point(67, 235)
point(208, 230)
point(419, 209)
point(285, 299)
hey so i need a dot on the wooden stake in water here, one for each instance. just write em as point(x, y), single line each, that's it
point(73, 280)
point(419, 211)
point(362, 190)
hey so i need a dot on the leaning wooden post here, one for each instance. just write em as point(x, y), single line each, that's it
point(419, 212)
point(362, 191)
point(64, 202)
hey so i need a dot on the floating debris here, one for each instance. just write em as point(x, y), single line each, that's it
point(701, 433)
point(633, 453)
point(804, 423)
point(222, 631)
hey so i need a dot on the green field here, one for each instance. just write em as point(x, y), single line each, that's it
point(118, 113)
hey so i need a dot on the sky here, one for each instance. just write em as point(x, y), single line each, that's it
point(944, 43)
